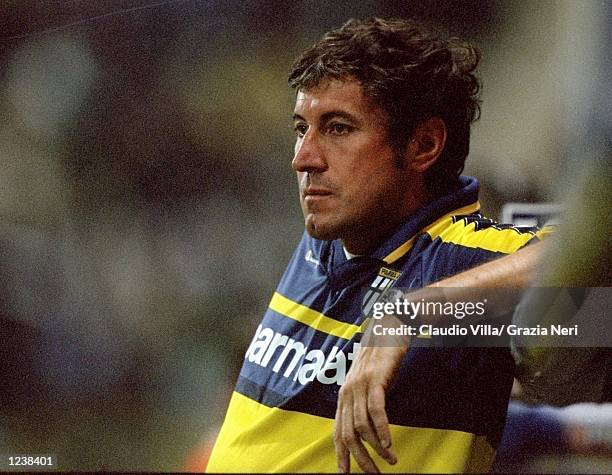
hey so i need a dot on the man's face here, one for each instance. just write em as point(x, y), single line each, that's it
point(351, 187)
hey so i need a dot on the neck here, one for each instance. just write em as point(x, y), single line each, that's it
point(365, 242)
point(366, 237)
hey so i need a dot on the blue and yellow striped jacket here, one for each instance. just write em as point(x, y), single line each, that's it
point(447, 406)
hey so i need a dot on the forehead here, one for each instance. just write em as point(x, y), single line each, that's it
point(335, 95)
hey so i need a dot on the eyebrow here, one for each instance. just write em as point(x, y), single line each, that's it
point(332, 115)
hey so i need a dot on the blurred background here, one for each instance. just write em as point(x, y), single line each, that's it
point(148, 207)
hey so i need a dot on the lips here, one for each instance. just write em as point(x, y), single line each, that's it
point(311, 195)
point(310, 191)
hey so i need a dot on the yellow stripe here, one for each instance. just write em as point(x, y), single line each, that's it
point(506, 241)
point(443, 222)
point(312, 318)
point(399, 252)
point(546, 231)
point(257, 438)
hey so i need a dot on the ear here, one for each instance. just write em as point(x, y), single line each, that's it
point(426, 144)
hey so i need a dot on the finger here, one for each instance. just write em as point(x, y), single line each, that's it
point(352, 441)
point(365, 428)
point(343, 459)
point(361, 455)
point(378, 414)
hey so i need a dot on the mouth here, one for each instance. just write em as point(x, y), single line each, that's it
point(312, 194)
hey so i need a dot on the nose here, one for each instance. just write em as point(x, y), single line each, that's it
point(309, 156)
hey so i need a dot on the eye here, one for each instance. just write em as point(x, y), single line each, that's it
point(300, 129)
point(339, 128)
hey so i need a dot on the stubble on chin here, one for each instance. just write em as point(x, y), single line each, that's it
point(310, 223)
point(316, 230)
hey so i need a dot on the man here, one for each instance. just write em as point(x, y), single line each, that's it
point(382, 121)
point(578, 259)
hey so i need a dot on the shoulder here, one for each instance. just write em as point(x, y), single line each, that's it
point(464, 241)
point(475, 231)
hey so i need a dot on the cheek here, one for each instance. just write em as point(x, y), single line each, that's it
point(373, 186)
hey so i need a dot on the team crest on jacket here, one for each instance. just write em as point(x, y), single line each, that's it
point(385, 279)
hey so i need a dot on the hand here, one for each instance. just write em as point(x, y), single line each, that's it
point(361, 414)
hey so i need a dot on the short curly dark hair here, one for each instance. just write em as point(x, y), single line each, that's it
point(409, 71)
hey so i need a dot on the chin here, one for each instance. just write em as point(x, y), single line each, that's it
point(319, 230)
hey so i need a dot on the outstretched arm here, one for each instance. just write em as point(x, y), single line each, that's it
point(361, 414)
